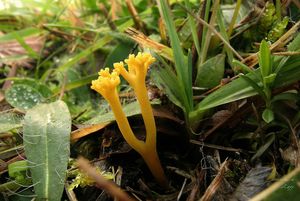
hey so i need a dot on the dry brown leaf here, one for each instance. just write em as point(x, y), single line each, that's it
point(81, 132)
point(14, 48)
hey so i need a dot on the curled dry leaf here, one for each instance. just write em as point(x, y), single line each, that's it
point(290, 154)
point(146, 42)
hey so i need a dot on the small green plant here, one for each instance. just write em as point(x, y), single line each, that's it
point(178, 81)
point(19, 171)
point(284, 71)
point(266, 79)
point(270, 26)
point(81, 179)
point(19, 174)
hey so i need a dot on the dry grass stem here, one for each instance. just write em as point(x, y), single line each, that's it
point(101, 182)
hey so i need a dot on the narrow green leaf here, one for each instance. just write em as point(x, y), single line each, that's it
point(295, 44)
point(236, 14)
point(241, 65)
point(119, 53)
point(264, 58)
point(289, 73)
point(180, 60)
point(205, 33)
point(106, 39)
point(22, 33)
point(289, 95)
point(264, 147)
point(270, 79)
point(77, 83)
point(46, 136)
point(281, 64)
point(255, 86)
point(193, 28)
point(29, 50)
point(167, 81)
point(239, 89)
point(221, 24)
point(286, 188)
point(206, 39)
point(190, 80)
point(236, 90)
point(129, 109)
point(175, 43)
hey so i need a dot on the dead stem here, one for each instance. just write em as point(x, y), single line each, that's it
point(101, 182)
point(215, 184)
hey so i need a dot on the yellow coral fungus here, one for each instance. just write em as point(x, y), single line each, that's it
point(106, 83)
point(135, 75)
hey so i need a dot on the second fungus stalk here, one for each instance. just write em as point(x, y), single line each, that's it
point(135, 75)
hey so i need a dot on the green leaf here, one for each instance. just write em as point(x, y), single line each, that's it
point(40, 87)
point(23, 96)
point(239, 89)
point(166, 80)
point(268, 115)
point(193, 27)
point(22, 33)
point(26, 93)
point(207, 33)
point(77, 83)
point(119, 53)
point(190, 80)
point(235, 90)
point(9, 121)
point(286, 188)
point(241, 66)
point(211, 72)
point(221, 24)
point(270, 78)
point(91, 4)
point(289, 95)
point(295, 44)
point(289, 73)
point(46, 136)
point(264, 59)
point(130, 109)
point(72, 61)
point(255, 86)
point(264, 147)
point(181, 63)
point(26, 47)
point(17, 171)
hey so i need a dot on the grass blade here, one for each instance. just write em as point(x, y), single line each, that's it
point(106, 39)
point(193, 28)
point(181, 65)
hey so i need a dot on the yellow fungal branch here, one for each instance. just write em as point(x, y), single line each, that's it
point(135, 75)
point(106, 83)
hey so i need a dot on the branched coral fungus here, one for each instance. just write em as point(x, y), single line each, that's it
point(135, 75)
